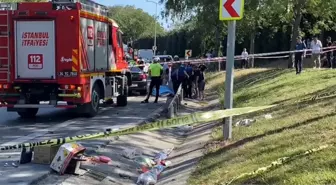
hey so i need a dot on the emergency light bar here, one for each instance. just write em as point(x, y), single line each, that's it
point(87, 5)
point(8, 6)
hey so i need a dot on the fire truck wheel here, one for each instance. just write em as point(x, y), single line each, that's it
point(122, 100)
point(125, 90)
point(28, 112)
point(94, 104)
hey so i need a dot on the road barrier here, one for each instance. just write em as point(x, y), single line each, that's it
point(190, 119)
point(174, 104)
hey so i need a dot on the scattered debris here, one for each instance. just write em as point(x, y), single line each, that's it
point(213, 145)
point(66, 154)
point(268, 116)
point(143, 163)
point(104, 159)
point(186, 128)
point(131, 153)
point(14, 165)
point(245, 122)
point(150, 176)
point(124, 176)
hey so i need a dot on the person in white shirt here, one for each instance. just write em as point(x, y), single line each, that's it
point(208, 55)
point(316, 46)
point(146, 67)
point(165, 73)
point(244, 56)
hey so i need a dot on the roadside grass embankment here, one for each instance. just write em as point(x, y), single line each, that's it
point(299, 123)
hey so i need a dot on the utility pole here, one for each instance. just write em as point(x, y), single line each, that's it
point(156, 4)
point(228, 100)
point(230, 10)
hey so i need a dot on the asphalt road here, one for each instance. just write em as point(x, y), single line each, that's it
point(54, 123)
point(62, 122)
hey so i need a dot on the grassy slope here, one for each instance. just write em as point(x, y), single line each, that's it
point(296, 126)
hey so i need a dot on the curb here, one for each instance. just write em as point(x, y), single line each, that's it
point(152, 117)
point(35, 181)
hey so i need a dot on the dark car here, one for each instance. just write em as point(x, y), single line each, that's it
point(164, 58)
point(140, 80)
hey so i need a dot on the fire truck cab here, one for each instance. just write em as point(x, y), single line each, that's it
point(60, 51)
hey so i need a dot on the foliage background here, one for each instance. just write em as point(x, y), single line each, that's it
point(268, 25)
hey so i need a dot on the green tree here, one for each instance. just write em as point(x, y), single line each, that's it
point(261, 16)
point(134, 22)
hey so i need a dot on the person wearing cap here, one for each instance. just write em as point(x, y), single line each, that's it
point(174, 74)
point(176, 58)
point(300, 48)
point(165, 73)
point(155, 71)
point(316, 46)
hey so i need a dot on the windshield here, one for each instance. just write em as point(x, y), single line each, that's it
point(135, 69)
point(145, 54)
point(165, 58)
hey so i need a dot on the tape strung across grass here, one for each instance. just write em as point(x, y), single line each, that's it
point(274, 164)
point(191, 119)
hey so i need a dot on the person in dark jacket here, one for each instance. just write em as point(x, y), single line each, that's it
point(330, 53)
point(189, 80)
point(182, 77)
point(174, 74)
point(201, 81)
point(174, 78)
point(197, 73)
point(299, 54)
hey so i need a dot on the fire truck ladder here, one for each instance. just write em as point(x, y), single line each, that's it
point(5, 67)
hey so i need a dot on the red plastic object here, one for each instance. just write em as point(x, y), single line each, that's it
point(104, 159)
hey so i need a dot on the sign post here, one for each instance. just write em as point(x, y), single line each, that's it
point(188, 53)
point(230, 10)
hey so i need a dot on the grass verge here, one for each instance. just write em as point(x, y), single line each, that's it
point(298, 124)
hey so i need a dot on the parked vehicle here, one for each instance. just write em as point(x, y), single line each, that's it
point(164, 58)
point(140, 80)
point(56, 52)
point(145, 54)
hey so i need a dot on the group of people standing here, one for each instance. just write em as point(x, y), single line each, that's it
point(316, 51)
point(192, 78)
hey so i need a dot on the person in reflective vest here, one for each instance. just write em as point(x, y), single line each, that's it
point(155, 72)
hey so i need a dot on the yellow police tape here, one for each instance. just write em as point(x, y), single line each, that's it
point(190, 119)
point(275, 164)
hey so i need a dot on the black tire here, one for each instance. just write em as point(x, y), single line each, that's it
point(121, 100)
point(126, 91)
point(126, 87)
point(93, 106)
point(28, 113)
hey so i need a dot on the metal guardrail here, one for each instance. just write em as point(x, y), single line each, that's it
point(174, 103)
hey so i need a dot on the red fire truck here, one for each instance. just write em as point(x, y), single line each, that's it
point(60, 51)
